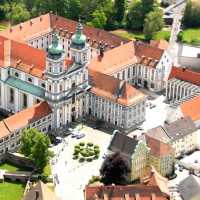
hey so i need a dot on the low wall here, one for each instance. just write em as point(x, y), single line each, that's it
point(18, 160)
point(17, 176)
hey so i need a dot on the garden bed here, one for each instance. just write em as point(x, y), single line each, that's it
point(86, 152)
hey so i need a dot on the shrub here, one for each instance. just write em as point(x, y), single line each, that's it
point(82, 144)
point(75, 157)
point(94, 179)
point(96, 156)
point(81, 159)
point(90, 144)
point(76, 151)
point(89, 159)
point(77, 147)
point(96, 147)
point(96, 151)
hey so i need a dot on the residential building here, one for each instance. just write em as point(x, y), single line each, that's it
point(182, 85)
point(181, 135)
point(38, 191)
point(155, 187)
point(39, 116)
point(161, 155)
point(134, 151)
point(189, 188)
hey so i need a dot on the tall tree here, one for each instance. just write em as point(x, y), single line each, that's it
point(153, 22)
point(115, 169)
point(191, 16)
point(15, 12)
point(34, 145)
point(99, 19)
point(119, 9)
point(135, 17)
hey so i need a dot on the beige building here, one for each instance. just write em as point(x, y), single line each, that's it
point(180, 134)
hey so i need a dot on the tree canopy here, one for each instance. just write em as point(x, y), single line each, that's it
point(34, 145)
point(153, 23)
point(191, 18)
point(115, 169)
point(138, 11)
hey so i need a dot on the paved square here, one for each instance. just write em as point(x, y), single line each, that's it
point(72, 175)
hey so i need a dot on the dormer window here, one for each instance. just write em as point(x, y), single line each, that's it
point(30, 80)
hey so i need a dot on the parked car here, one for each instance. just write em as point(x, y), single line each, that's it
point(74, 134)
point(140, 128)
point(152, 106)
point(79, 136)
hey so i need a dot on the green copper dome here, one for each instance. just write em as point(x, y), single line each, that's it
point(79, 38)
point(55, 49)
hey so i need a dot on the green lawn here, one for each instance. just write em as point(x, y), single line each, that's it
point(11, 190)
point(3, 25)
point(140, 36)
point(131, 35)
point(11, 167)
point(190, 36)
point(47, 170)
point(162, 35)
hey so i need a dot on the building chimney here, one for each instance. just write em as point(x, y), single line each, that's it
point(40, 19)
point(101, 51)
point(11, 30)
point(37, 194)
point(31, 23)
point(183, 69)
point(20, 26)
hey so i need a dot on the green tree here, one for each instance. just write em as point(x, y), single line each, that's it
point(153, 23)
point(39, 151)
point(119, 9)
point(191, 18)
point(73, 9)
point(27, 141)
point(135, 17)
point(99, 19)
point(34, 145)
point(137, 12)
point(16, 12)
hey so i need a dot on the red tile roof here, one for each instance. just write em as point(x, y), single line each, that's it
point(117, 91)
point(161, 44)
point(22, 57)
point(27, 116)
point(115, 59)
point(128, 192)
point(185, 75)
point(155, 187)
point(45, 23)
point(118, 58)
point(157, 147)
point(191, 108)
point(3, 130)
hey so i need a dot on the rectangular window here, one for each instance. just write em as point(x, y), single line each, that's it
point(25, 101)
point(11, 95)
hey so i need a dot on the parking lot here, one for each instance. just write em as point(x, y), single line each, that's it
point(70, 175)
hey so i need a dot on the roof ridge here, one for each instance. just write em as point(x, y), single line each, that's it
point(6, 126)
